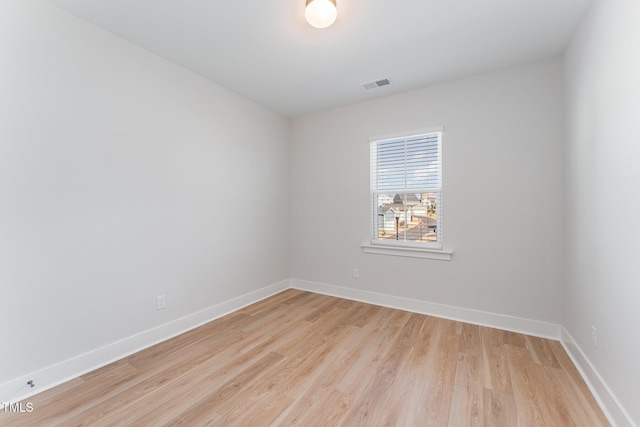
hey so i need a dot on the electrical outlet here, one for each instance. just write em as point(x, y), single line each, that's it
point(356, 273)
point(161, 302)
point(594, 336)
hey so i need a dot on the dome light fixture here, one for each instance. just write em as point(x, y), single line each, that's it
point(321, 13)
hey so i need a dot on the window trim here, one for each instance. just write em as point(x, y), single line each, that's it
point(408, 249)
point(407, 134)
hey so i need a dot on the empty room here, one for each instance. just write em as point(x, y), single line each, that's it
point(319, 213)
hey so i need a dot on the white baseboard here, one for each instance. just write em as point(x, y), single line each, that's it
point(500, 321)
point(17, 390)
point(610, 405)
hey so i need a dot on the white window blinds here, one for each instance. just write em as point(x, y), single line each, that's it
point(406, 190)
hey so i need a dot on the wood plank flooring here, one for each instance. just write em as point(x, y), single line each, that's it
point(303, 359)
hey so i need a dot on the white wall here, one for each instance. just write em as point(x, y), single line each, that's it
point(119, 172)
point(502, 149)
point(602, 203)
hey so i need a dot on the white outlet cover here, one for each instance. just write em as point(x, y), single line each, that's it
point(160, 302)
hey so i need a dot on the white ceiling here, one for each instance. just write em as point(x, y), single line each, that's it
point(265, 50)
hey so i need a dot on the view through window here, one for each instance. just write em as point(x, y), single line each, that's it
point(406, 190)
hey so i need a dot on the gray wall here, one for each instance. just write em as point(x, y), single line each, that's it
point(502, 192)
point(602, 207)
point(123, 177)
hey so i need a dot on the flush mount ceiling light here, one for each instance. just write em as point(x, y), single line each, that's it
point(321, 13)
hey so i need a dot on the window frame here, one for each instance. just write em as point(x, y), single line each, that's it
point(433, 250)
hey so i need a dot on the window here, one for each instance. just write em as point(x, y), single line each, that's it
point(406, 191)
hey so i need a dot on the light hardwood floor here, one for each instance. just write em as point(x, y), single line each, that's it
point(304, 359)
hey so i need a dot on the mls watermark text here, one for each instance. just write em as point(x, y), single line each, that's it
point(18, 407)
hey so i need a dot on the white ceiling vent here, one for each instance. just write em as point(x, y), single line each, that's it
point(376, 83)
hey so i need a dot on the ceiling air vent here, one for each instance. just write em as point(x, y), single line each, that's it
point(376, 83)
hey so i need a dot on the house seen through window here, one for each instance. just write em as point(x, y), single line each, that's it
point(406, 190)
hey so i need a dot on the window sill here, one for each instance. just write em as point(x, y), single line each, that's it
point(439, 254)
